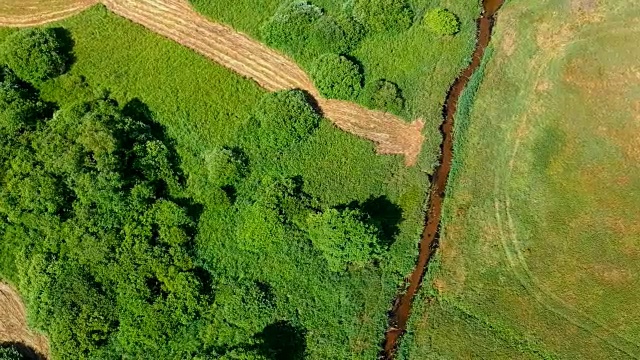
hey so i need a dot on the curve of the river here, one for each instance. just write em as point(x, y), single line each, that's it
point(399, 315)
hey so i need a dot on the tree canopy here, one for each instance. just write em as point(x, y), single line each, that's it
point(337, 77)
point(383, 95)
point(343, 238)
point(442, 21)
point(36, 54)
point(305, 30)
point(383, 15)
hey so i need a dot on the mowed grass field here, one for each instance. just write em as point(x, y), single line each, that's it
point(540, 255)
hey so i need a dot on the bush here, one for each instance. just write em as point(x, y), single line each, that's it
point(304, 30)
point(337, 77)
point(383, 95)
point(284, 118)
point(343, 238)
point(383, 15)
point(36, 54)
point(442, 21)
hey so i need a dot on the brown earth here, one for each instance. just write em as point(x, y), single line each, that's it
point(13, 323)
point(176, 20)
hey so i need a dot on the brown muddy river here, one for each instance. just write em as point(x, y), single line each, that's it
point(430, 237)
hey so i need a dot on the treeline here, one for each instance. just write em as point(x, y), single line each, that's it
point(120, 255)
point(325, 43)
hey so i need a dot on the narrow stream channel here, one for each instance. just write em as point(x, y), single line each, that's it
point(399, 315)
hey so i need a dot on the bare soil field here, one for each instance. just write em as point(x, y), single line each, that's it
point(176, 20)
point(13, 323)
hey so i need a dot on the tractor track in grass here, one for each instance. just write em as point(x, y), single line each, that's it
point(176, 20)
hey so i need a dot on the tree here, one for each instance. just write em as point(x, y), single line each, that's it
point(442, 21)
point(18, 108)
point(36, 54)
point(284, 118)
point(383, 15)
point(337, 77)
point(305, 30)
point(343, 238)
point(383, 95)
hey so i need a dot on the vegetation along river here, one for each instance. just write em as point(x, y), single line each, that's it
point(399, 315)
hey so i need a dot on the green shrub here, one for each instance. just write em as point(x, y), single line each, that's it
point(284, 118)
point(304, 30)
point(8, 352)
point(36, 54)
point(384, 15)
point(337, 77)
point(383, 95)
point(442, 21)
point(343, 238)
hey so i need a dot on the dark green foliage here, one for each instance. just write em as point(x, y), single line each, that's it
point(337, 77)
point(283, 119)
point(36, 54)
point(303, 29)
point(442, 21)
point(383, 95)
point(343, 238)
point(17, 105)
point(384, 15)
point(9, 352)
point(102, 248)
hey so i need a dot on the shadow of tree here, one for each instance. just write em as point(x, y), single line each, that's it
point(381, 213)
point(282, 340)
point(25, 351)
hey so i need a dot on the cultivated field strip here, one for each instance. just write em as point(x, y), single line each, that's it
point(176, 20)
point(27, 13)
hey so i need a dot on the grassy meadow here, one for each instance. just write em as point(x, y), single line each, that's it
point(421, 63)
point(541, 247)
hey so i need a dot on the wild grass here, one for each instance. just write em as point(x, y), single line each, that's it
point(540, 238)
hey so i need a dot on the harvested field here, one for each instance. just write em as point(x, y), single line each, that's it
point(176, 20)
point(13, 323)
point(24, 13)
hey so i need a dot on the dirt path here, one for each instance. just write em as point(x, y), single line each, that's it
point(176, 20)
point(13, 323)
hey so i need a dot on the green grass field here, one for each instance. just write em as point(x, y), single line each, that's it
point(540, 249)
point(203, 106)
